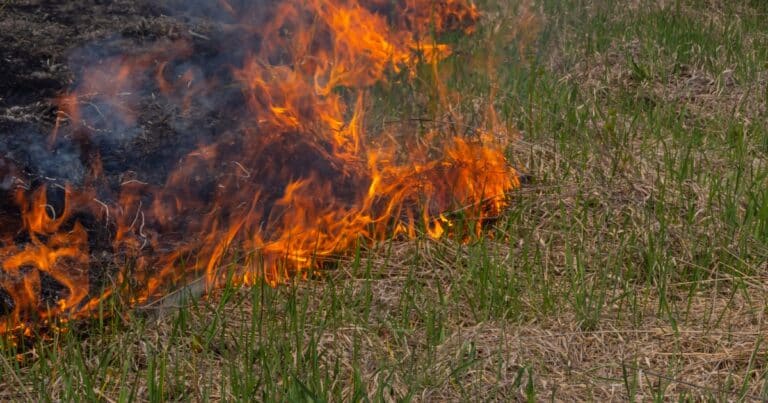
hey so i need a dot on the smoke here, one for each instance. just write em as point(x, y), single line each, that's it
point(24, 152)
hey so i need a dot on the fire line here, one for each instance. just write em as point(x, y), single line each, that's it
point(283, 176)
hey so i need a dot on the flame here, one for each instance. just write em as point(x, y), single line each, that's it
point(294, 180)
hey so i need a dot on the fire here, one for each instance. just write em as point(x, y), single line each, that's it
point(289, 177)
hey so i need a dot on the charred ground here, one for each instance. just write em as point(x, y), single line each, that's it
point(37, 42)
point(46, 46)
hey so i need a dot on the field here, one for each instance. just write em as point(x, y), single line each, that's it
point(631, 265)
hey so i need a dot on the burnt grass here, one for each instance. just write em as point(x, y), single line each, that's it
point(45, 48)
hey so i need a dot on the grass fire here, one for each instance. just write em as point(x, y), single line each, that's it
point(383, 200)
point(286, 176)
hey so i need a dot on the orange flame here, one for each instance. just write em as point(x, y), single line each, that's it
point(297, 180)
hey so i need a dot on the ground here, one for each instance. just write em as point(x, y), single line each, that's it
point(631, 266)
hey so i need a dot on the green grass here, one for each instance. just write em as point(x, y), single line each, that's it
point(632, 267)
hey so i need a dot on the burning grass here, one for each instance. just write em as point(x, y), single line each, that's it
point(632, 266)
point(288, 177)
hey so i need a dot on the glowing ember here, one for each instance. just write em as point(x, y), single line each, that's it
point(286, 177)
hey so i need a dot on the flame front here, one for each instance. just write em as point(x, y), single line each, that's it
point(289, 178)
